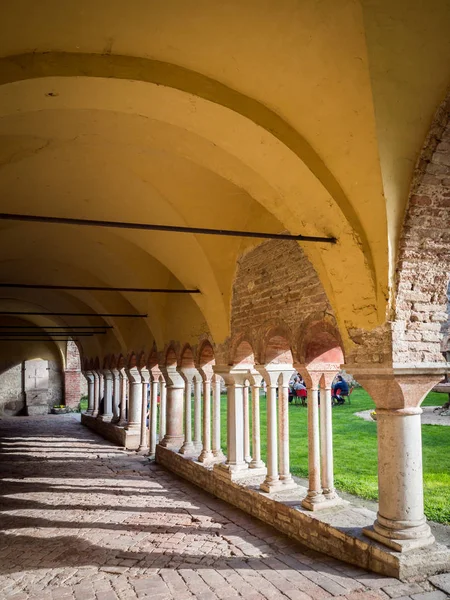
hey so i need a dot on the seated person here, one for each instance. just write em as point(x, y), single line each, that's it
point(340, 390)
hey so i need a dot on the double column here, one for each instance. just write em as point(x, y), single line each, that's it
point(135, 400)
point(175, 386)
point(89, 375)
point(321, 492)
point(278, 468)
point(107, 396)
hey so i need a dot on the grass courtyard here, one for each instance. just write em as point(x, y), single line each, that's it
point(355, 451)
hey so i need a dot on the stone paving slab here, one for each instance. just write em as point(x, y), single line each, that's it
point(81, 520)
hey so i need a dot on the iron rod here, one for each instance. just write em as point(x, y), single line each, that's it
point(172, 228)
point(38, 340)
point(49, 335)
point(95, 288)
point(69, 327)
point(63, 314)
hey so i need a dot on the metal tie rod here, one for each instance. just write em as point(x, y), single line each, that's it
point(69, 327)
point(67, 314)
point(96, 288)
point(172, 228)
point(38, 340)
point(48, 335)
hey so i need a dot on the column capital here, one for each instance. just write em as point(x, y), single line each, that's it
point(189, 373)
point(398, 386)
point(145, 375)
point(172, 376)
point(233, 375)
point(271, 373)
point(255, 379)
point(107, 374)
point(206, 372)
point(134, 375)
point(89, 375)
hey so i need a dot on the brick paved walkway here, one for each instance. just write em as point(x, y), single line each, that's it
point(83, 520)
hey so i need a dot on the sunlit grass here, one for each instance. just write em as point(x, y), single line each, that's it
point(355, 451)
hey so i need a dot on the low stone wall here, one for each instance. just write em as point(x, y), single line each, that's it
point(335, 531)
point(111, 432)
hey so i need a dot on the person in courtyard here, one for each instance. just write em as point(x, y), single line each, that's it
point(340, 390)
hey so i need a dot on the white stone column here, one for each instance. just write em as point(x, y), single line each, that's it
point(326, 437)
point(272, 481)
point(400, 523)
point(247, 455)
point(206, 455)
point(162, 408)
point(123, 398)
point(188, 446)
point(197, 385)
point(101, 392)
point(96, 393)
point(234, 380)
point(256, 462)
point(143, 439)
point(315, 496)
point(135, 400)
point(283, 429)
point(153, 416)
point(173, 438)
point(116, 396)
point(90, 389)
point(216, 444)
point(107, 402)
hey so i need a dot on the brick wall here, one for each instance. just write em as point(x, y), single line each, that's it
point(75, 384)
point(275, 283)
point(424, 256)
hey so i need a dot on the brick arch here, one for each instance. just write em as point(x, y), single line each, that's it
point(153, 358)
point(142, 360)
point(275, 344)
point(121, 361)
point(423, 266)
point(206, 354)
point(107, 362)
point(113, 362)
point(171, 359)
point(242, 351)
point(187, 357)
point(317, 336)
point(132, 360)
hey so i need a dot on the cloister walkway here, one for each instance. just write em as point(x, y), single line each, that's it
point(81, 519)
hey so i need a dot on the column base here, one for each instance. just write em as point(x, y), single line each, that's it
point(187, 448)
point(287, 482)
point(89, 412)
point(231, 472)
point(248, 459)
point(172, 442)
point(257, 464)
point(142, 450)
point(121, 423)
point(206, 457)
point(219, 456)
point(198, 447)
point(321, 502)
point(400, 535)
point(94, 414)
point(270, 486)
point(105, 418)
point(133, 427)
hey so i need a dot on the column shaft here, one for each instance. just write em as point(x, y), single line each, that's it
point(315, 495)
point(272, 478)
point(216, 445)
point(188, 445)
point(326, 438)
point(197, 414)
point(206, 454)
point(162, 409)
point(256, 463)
point(247, 455)
point(283, 429)
point(153, 417)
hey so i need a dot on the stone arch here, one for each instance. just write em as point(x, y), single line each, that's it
point(141, 362)
point(97, 363)
point(423, 265)
point(121, 361)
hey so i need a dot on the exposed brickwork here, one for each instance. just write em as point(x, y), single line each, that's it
point(74, 382)
point(423, 269)
point(276, 287)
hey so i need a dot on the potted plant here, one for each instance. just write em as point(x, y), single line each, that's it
point(59, 409)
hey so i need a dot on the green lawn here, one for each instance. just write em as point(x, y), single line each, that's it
point(355, 451)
